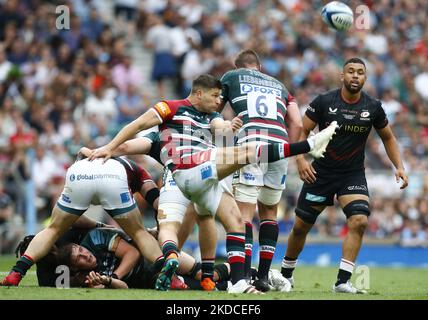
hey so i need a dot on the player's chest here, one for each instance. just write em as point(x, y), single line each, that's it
point(350, 120)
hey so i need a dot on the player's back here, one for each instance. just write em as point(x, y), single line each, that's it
point(260, 100)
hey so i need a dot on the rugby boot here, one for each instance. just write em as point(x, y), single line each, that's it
point(347, 288)
point(320, 140)
point(12, 279)
point(163, 282)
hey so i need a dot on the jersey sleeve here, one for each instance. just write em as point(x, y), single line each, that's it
point(164, 111)
point(314, 109)
point(380, 120)
point(101, 239)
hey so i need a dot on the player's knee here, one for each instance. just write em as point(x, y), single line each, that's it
point(358, 223)
point(269, 197)
point(357, 213)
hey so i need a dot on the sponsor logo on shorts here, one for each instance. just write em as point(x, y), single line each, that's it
point(172, 183)
point(360, 187)
point(125, 197)
point(314, 198)
point(249, 176)
point(65, 198)
point(206, 172)
point(283, 179)
point(94, 176)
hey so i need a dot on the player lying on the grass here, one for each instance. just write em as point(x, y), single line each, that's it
point(197, 168)
point(103, 252)
point(176, 214)
point(46, 267)
point(108, 258)
point(94, 182)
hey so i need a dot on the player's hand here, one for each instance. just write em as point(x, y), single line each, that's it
point(400, 174)
point(94, 279)
point(236, 124)
point(85, 152)
point(306, 170)
point(103, 152)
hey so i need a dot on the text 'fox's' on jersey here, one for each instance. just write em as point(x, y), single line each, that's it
point(261, 101)
point(345, 151)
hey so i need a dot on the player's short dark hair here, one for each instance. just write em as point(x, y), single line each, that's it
point(354, 60)
point(247, 58)
point(206, 81)
point(64, 254)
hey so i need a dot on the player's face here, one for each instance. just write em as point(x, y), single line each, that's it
point(210, 100)
point(354, 77)
point(82, 258)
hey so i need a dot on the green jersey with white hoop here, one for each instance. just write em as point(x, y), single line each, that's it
point(261, 101)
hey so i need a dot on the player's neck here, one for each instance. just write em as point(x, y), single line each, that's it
point(349, 97)
point(194, 101)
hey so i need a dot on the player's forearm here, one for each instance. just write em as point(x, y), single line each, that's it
point(128, 261)
point(127, 132)
point(134, 146)
point(393, 152)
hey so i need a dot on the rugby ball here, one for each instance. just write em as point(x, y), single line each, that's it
point(337, 15)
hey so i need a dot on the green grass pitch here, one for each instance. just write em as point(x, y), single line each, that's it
point(312, 283)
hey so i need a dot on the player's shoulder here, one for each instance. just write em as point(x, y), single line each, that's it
point(230, 74)
point(371, 101)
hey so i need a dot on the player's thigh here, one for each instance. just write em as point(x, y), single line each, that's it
point(353, 195)
point(314, 197)
point(172, 202)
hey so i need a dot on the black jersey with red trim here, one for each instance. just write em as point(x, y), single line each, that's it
point(184, 131)
point(345, 151)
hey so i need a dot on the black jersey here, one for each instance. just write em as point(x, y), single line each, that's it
point(346, 151)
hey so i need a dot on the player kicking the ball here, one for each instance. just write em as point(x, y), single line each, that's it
point(198, 166)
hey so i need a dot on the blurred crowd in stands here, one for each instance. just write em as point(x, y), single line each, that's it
point(61, 89)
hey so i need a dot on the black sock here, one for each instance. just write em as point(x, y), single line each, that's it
point(268, 236)
point(288, 266)
point(248, 247)
point(277, 151)
point(343, 276)
point(23, 264)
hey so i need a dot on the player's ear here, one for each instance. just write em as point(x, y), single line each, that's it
point(342, 77)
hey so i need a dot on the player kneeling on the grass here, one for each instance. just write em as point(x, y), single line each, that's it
point(197, 167)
